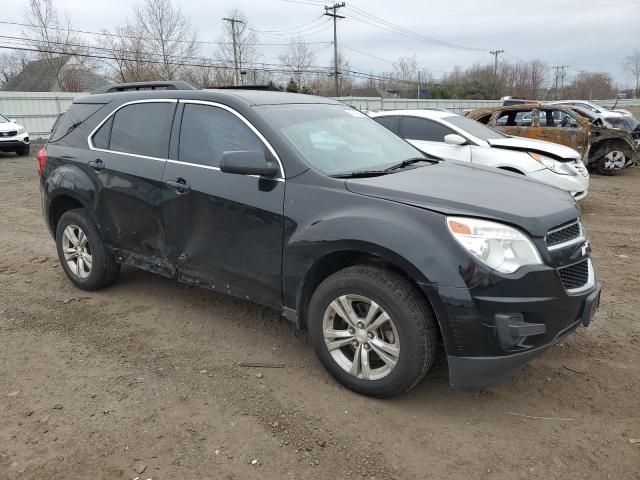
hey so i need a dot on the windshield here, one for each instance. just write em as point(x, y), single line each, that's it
point(336, 139)
point(3, 119)
point(625, 123)
point(474, 128)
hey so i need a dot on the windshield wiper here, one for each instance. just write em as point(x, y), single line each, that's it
point(409, 162)
point(361, 174)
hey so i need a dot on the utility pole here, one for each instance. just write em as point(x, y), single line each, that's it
point(236, 67)
point(335, 16)
point(558, 68)
point(495, 54)
point(418, 102)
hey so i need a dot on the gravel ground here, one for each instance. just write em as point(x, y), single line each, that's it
point(141, 379)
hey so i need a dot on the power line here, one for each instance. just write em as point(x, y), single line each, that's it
point(153, 62)
point(122, 54)
point(366, 17)
point(134, 37)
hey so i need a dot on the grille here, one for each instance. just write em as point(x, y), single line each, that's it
point(575, 276)
point(12, 133)
point(564, 234)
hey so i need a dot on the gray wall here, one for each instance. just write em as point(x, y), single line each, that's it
point(38, 110)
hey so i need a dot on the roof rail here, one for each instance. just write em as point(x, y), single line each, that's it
point(156, 85)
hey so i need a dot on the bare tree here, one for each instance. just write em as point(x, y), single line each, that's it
point(167, 35)
point(405, 70)
point(130, 61)
point(246, 41)
point(298, 58)
point(632, 66)
point(50, 33)
point(11, 64)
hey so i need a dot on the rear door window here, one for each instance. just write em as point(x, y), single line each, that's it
point(142, 129)
point(413, 128)
point(208, 132)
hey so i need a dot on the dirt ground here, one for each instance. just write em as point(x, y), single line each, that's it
point(140, 379)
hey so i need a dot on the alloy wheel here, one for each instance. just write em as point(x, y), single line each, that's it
point(77, 251)
point(361, 337)
point(614, 160)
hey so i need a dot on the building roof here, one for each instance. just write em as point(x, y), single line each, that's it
point(41, 76)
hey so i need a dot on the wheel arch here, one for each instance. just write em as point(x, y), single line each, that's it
point(339, 259)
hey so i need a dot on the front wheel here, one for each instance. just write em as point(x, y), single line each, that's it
point(612, 163)
point(372, 330)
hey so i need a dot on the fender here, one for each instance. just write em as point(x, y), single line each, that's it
point(368, 229)
point(70, 181)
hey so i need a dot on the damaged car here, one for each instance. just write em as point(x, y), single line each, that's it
point(454, 137)
point(604, 149)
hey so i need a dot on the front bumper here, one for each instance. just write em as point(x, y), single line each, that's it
point(8, 144)
point(472, 322)
point(569, 183)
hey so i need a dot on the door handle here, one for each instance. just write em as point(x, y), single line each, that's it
point(97, 165)
point(180, 185)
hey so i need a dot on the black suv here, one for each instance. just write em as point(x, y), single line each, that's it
point(308, 206)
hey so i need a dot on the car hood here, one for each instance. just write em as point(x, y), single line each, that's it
point(457, 188)
point(554, 150)
point(9, 126)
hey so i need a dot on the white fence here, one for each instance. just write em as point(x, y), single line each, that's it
point(38, 110)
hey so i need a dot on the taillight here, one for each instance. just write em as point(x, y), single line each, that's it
point(42, 160)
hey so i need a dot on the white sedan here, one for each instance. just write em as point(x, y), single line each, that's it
point(13, 137)
point(453, 137)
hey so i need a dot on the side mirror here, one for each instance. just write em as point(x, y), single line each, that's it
point(248, 162)
point(13, 120)
point(455, 139)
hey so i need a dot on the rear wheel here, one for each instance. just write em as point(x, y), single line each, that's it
point(372, 330)
point(23, 151)
point(82, 253)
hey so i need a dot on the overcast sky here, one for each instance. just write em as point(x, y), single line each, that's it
point(584, 34)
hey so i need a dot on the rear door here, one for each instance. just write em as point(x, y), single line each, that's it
point(224, 231)
point(428, 136)
point(129, 150)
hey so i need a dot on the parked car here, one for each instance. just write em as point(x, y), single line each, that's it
point(604, 149)
point(454, 137)
point(605, 113)
point(13, 137)
point(308, 206)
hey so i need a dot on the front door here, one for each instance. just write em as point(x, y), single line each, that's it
point(128, 155)
point(224, 231)
point(428, 136)
point(560, 126)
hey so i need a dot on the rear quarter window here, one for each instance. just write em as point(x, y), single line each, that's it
point(77, 114)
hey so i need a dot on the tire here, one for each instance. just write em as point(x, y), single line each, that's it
point(103, 269)
point(411, 328)
point(612, 163)
point(23, 151)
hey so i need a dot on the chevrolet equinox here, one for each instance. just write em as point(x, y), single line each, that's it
point(306, 205)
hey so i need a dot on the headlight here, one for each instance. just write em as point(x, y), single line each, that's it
point(499, 246)
point(21, 130)
point(553, 165)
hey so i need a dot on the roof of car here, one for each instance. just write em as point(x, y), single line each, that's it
point(248, 97)
point(431, 114)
